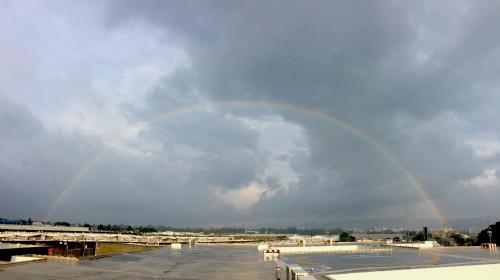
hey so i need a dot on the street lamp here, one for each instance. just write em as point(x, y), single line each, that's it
point(489, 233)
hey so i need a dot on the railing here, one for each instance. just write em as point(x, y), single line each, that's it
point(75, 253)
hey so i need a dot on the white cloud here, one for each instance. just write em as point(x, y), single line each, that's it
point(127, 72)
point(79, 75)
point(485, 149)
point(279, 140)
point(486, 180)
point(242, 198)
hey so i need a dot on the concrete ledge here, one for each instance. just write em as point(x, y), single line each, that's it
point(480, 271)
point(262, 247)
point(58, 258)
point(20, 260)
point(419, 245)
point(316, 249)
point(305, 277)
point(176, 246)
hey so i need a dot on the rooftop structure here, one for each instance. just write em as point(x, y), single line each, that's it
point(376, 236)
point(396, 263)
point(41, 228)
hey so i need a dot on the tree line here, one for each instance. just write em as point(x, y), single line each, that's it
point(215, 231)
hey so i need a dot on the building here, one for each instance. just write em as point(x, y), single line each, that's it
point(10, 222)
point(37, 228)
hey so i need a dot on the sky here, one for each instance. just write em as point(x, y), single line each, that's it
point(249, 113)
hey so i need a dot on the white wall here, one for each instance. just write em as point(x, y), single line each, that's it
point(315, 249)
point(485, 271)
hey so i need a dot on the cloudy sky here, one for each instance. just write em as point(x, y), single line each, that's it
point(205, 113)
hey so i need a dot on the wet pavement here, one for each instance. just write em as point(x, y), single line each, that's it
point(199, 262)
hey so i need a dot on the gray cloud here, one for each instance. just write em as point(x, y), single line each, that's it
point(35, 163)
point(420, 78)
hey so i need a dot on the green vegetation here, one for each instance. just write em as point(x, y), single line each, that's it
point(104, 248)
point(215, 231)
point(419, 237)
point(294, 230)
point(64, 224)
point(494, 230)
point(385, 231)
point(462, 240)
point(145, 229)
point(346, 237)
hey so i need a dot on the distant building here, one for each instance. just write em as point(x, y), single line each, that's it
point(376, 236)
point(297, 237)
point(18, 227)
point(320, 237)
point(10, 222)
point(445, 232)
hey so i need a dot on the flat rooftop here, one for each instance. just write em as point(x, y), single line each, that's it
point(399, 258)
point(13, 246)
point(207, 262)
point(483, 271)
point(6, 227)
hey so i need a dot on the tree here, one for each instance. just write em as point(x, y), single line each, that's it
point(146, 229)
point(459, 239)
point(30, 222)
point(483, 236)
point(419, 237)
point(346, 237)
point(100, 227)
point(64, 224)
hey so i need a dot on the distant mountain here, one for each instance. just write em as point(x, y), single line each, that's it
point(477, 222)
point(407, 223)
point(412, 223)
point(395, 223)
point(365, 224)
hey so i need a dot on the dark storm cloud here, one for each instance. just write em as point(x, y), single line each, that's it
point(38, 164)
point(404, 72)
point(35, 164)
point(351, 58)
point(419, 77)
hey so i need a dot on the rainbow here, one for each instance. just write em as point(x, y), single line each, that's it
point(419, 187)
